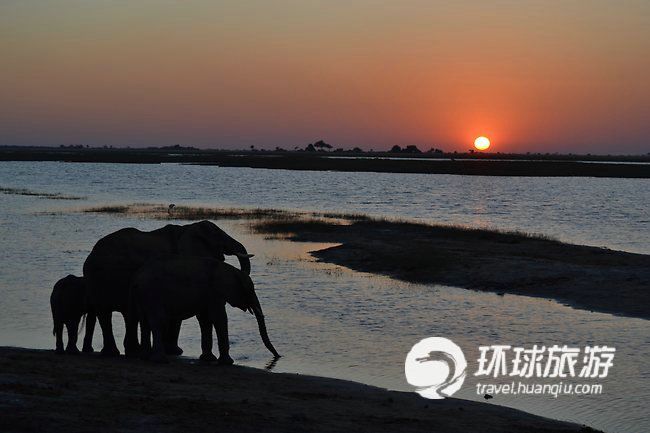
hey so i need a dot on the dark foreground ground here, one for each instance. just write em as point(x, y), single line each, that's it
point(44, 392)
point(462, 164)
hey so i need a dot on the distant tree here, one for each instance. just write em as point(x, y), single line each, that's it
point(412, 148)
point(279, 149)
point(320, 144)
point(252, 147)
point(310, 148)
point(395, 149)
point(357, 150)
point(339, 149)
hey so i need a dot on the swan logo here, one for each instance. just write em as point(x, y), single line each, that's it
point(436, 367)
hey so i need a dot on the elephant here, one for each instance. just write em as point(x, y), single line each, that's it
point(175, 289)
point(69, 303)
point(116, 258)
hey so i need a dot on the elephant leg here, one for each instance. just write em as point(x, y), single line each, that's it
point(131, 345)
point(110, 348)
point(58, 333)
point(90, 330)
point(206, 339)
point(73, 329)
point(221, 326)
point(171, 338)
point(158, 353)
point(145, 340)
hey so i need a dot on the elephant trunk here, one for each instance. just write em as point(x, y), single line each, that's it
point(242, 255)
point(244, 263)
point(253, 305)
point(265, 336)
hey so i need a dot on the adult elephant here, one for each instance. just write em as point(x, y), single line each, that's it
point(116, 258)
point(182, 287)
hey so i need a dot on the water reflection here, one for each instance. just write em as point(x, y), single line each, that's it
point(271, 364)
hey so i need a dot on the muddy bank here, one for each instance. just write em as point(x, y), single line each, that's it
point(44, 392)
point(585, 277)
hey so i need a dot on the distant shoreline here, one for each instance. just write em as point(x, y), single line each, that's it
point(41, 391)
point(536, 165)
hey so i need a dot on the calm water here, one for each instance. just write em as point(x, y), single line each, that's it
point(324, 319)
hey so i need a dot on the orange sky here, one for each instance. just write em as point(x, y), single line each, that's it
point(566, 76)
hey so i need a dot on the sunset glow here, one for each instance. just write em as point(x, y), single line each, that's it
point(542, 77)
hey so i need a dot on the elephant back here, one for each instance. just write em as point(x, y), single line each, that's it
point(116, 257)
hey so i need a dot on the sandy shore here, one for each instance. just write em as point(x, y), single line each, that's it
point(44, 392)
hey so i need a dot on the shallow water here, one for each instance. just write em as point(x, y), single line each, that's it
point(324, 319)
point(603, 212)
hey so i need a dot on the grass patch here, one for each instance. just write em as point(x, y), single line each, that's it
point(280, 222)
point(46, 195)
point(399, 227)
point(191, 213)
point(108, 209)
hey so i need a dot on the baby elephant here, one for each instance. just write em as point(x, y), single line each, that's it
point(175, 289)
point(68, 302)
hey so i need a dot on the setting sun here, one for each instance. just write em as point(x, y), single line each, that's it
point(481, 143)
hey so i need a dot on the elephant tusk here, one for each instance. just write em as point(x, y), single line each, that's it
point(244, 256)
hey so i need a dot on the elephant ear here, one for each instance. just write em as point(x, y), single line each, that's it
point(238, 288)
point(206, 239)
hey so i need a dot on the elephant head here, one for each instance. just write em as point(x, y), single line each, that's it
point(245, 298)
point(211, 241)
